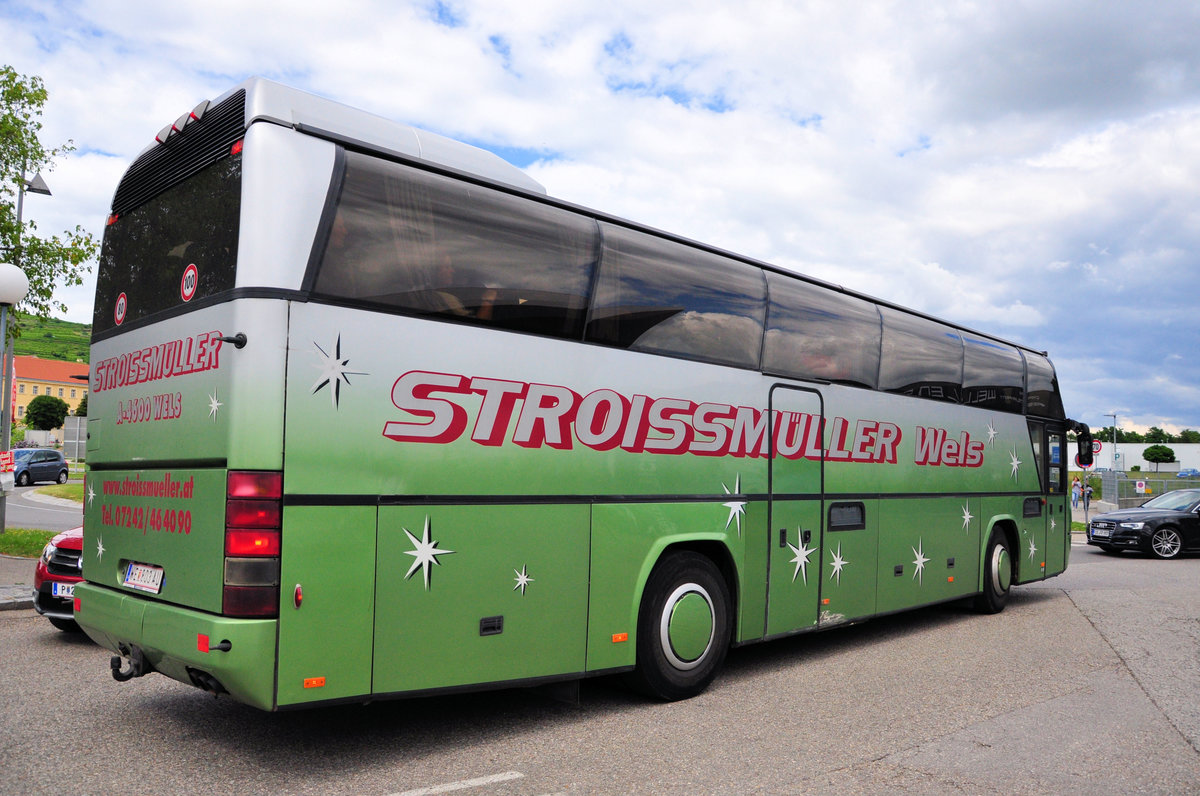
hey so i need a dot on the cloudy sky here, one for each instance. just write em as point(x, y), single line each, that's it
point(1028, 169)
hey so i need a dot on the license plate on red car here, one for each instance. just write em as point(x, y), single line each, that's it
point(62, 589)
point(143, 577)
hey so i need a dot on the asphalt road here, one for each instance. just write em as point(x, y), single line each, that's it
point(1088, 684)
point(23, 510)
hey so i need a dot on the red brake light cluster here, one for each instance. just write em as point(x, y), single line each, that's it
point(253, 529)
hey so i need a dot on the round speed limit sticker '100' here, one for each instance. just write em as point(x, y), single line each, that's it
point(187, 285)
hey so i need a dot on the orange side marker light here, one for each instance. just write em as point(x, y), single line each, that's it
point(619, 637)
point(314, 682)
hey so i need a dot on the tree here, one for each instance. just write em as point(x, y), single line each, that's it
point(1158, 454)
point(47, 261)
point(46, 412)
point(1157, 435)
point(81, 410)
point(1188, 436)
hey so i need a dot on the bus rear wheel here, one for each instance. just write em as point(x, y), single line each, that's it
point(997, 574)
point(683, 627)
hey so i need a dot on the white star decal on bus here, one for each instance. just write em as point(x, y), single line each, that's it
point(967, 517)
point(213, 405)
point(838, 563)
point(800, 559)
point(737, 508)
point(424, 553)
point(920, 562)
point(992, 433)
point(522, 579)
point(91, 494)
point(1053, 524)
point(1015, 462)
point(99, 548)
point(1032, 548)
point(333, 371)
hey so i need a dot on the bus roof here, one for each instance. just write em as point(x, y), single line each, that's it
point(273, 102)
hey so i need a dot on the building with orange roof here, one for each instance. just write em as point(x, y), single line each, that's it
point(36, 376)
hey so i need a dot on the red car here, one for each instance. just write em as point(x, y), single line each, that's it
point(58, 570)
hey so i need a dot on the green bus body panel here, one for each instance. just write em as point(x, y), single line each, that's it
point(1058, 541)
point(930, 552)
point(848, 572)
point(795, 578)
point(168, 636)
point(627, 540)
point(170, 518)
point(479, 594)
point(329, 553)
point(174, 391)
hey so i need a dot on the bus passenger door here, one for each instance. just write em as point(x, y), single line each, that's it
point(796, 485)
point(1054, 485)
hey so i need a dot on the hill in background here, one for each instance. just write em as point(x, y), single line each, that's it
point(53, 339)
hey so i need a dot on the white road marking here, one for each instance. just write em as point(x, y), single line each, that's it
point(464, 784)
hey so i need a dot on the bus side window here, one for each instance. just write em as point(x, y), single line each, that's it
point(993, 375)
point(920, 357)
point(662, 297)
point(1042, 396)
point(817, 333)
point(416, 242)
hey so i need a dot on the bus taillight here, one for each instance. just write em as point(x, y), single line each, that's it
point(253, 528)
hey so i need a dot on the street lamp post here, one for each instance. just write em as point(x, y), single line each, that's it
point(1114, 440)
point(13, 287)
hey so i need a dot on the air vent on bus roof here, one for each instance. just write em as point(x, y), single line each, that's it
point(200, 144)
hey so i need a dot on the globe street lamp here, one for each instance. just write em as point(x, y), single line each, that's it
point(13, 287)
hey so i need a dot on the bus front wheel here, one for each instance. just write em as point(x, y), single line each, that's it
point(683, 627)
point(997, 574)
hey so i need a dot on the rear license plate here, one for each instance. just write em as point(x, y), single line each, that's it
point(62, 589)
point(143, 577)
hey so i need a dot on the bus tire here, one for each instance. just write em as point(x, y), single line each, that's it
point(683, 627)
point(997, 574)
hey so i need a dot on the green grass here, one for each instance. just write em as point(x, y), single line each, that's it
point(25, 542)
point(64, 491)
point(53, 339)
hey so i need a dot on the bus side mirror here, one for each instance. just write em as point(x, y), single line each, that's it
point(1083, 438)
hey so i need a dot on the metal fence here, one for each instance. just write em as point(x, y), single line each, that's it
point(1129, 490)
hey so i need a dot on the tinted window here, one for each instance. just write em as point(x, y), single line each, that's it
point(1044, 397)
point(816, 333)
point(993, 375)
point(147, 250)
point(920, 357)
point(406, 239)
point(663, 297)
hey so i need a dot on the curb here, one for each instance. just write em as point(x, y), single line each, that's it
point(11, 598)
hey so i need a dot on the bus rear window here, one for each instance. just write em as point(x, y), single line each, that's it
point(179, 247)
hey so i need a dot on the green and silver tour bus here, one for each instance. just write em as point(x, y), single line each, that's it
point(373, 416)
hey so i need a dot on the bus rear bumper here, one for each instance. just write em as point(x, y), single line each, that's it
point(215, 653)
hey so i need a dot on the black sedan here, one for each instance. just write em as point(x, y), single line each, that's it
point(1164, 526)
